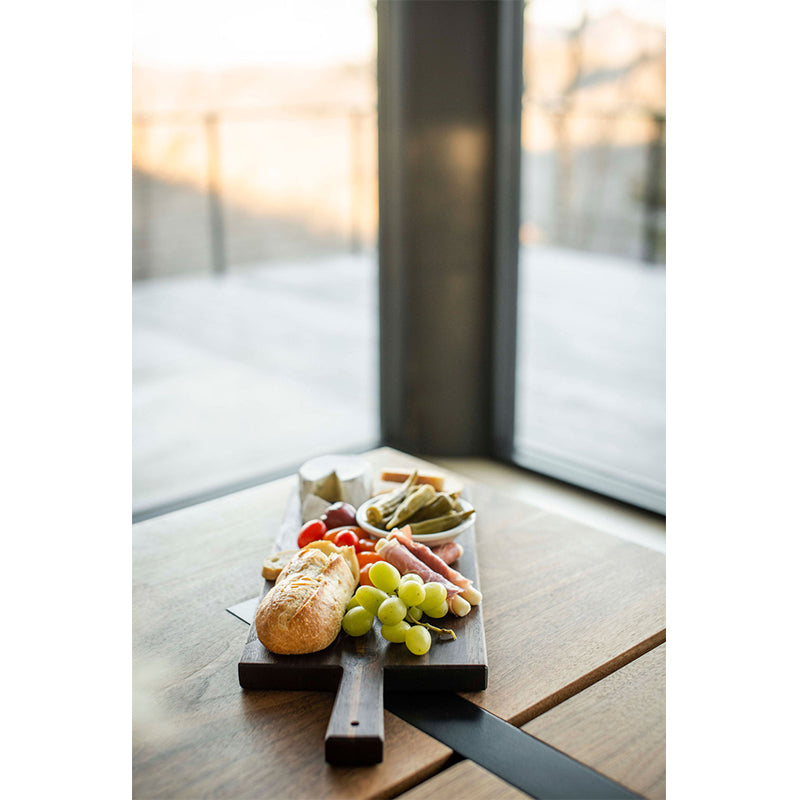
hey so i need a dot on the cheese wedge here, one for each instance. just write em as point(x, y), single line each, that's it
point(401, 475)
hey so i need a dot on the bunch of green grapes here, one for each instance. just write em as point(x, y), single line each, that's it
point(399, 604)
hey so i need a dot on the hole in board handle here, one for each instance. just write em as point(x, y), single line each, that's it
point(354, 722)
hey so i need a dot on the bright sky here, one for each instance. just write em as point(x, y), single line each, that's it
point(228, 33)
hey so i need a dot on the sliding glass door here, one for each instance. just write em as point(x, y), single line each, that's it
point(254, 242)
point(590, 381)
point(519, 308)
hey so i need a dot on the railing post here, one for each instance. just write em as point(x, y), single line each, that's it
point(355, 176)
point(215, 216)
point(653, 200)
point(141, 194)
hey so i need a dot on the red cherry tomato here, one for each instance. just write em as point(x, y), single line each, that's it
point(334, 532)
point(346, 538)
point(311, 532)
point(365, 545)
point(363, 576)
point(365, 558)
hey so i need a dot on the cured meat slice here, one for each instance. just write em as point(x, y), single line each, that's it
point(429, 558)
point(397, 554)
point(448, 552)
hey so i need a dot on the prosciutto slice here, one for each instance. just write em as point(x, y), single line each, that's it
point(429, 558)
point(397, 554)
point(448, 552)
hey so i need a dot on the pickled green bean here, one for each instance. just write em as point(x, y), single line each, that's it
point(414, 502)
point(387, 504)
point(439, 506)
point(439, 524)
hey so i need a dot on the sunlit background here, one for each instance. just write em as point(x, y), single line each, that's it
point(591, 393)
point(255, 226)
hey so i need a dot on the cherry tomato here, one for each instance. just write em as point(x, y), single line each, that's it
point(363, 576)
point(367, 558)
point(365, 545)
point(334, 532)
point(346, 538)
point(311, 532)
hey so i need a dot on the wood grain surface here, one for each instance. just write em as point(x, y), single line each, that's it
point(196, 733)
point(563, 607)
point(465, 781)
point(616, 726)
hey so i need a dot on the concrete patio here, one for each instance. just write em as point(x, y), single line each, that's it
point(250, 373)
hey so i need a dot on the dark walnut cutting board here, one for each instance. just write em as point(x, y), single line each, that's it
point(358, 669)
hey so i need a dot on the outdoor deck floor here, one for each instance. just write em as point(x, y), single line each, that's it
point(250, 373)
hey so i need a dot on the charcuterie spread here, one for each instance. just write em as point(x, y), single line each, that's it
point(348, 607)
point(342, 578)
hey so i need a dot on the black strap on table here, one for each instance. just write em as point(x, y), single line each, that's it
point(517, 757)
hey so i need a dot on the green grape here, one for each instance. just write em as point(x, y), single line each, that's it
point(435, 595)
point(395, 633)
point(437, 612)
point(411, 576)
point(384, 576)
point(411, 593)
point(370, 598)
point(415, 613)
point(357, 621)
point(392, 611)
point(418, 640)
point(352, 603)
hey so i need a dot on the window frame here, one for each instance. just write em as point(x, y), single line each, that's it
point(502, 39)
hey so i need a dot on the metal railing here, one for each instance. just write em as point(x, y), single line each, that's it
point(650, 197)
point(210, 121)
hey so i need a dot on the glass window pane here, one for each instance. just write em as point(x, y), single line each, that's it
point(254, 236)
point(591, 369)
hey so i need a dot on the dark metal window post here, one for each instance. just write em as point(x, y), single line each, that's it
point(449, 111)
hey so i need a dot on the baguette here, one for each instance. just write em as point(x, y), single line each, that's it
point(273, 565)
point(302, 612)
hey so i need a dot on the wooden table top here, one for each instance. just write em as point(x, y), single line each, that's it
point(564, 608)
point(616, 726)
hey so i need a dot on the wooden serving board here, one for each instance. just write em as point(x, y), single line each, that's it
point(359, 668)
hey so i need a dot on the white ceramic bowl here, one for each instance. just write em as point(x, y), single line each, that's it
point(425, 538)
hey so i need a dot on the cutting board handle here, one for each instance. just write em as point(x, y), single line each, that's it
point(355, 730)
